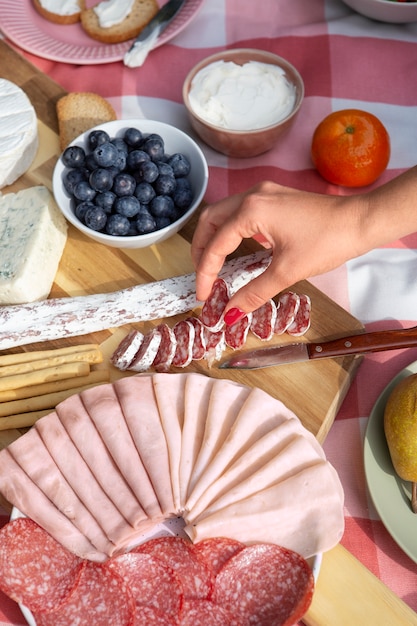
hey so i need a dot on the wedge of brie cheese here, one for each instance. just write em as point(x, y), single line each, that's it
point(18, 132)
point(33, 233)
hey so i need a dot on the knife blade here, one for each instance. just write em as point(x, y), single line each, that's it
point(361, 343)
point(144, 42)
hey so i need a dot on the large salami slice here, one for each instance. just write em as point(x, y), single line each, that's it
point(212, 311)
point(101, 598)
point(126, 351)
point(265, 584)
point(178, 554)
point(263, 321)
point(166, 350)
point(149, 616)
point(150, 582)
point(147, 352)
point(215, 344)
point(199, 345)
point(27, 554)
point(184, 334)
point(287, 307)
point(204, 613)
point(235, 335)
point(216, 551)
point(302, 318)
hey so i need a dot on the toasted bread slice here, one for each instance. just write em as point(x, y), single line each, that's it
point(78, 112)
point(57, 17)
point(141, 14)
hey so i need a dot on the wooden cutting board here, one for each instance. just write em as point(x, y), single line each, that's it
point(314, 391)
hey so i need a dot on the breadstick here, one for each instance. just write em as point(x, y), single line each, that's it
point(90, 356)
point(24, 357)
point(95, 376)
point(68, 370)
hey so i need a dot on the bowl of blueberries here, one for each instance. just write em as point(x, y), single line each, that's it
point(130, 183)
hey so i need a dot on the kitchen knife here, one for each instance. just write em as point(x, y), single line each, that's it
point(144, 42)
point(377, 341)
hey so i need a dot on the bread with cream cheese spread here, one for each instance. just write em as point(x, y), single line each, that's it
point(56, 16)
point(141, 14)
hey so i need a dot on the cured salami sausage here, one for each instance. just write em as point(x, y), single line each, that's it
point(22, 572)
point(235, 335)
point(147, 352)
point(71, 317)
point(215, 344)
point(178, 554)
point(150, 582)
point(212, 311)
point(199, 345)
point(204, 613)
point(302, 318)
point(184, 334)
point(216, 551)
point(148, 616)
point(166, 348)
point(126, 351)
point(101, 598)
point(265, 584)
point(263, 321)
point(287, 307)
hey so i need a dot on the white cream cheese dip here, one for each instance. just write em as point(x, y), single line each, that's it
point(61, 7)
point(112, 12)
point(241, 97)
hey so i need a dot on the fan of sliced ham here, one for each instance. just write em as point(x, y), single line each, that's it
point(112, 462)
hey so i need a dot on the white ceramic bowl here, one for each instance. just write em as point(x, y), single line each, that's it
point(244, 143)
point(385, 10)
point(175, 141)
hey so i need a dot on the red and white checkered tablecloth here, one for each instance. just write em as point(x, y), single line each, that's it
point(346, 60)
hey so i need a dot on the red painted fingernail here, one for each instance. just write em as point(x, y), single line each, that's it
point(232, 316)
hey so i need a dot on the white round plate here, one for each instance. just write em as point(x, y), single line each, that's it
point(390, 494)
point(22, 24)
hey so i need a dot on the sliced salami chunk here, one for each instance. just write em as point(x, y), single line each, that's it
point(124, 354)
point(101, 598)
point(302, 319)
point(204, 613)
point(216, 551)
point(147, 352)
point(178, 554)
point(151, 582)
point(265, 584)
point(149, 616)
point(27, 553)
point(184, 334)
point(235, 335)
point(166, 350)
point(263, 321)
point(215, 344)
point(199, 345)
point(288, 303)
point(212, 311)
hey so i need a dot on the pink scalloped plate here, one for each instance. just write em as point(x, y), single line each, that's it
point(22, 24)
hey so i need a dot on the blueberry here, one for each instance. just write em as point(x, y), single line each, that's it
point(165, 169)
point(83, 191)
point(147, 171)
point(73, 156)
point(154, 146)
point(120, 144)
point(145, 223)
point(105, 200)
point(165, 185)
point(101, 179)
point(144, 192)
point(80, 209)
point(72, 177)
point(162, 206)
point(118, 225)
point(90, 162)
point(121, 161)
point(124, 184)
point(183, 194)
point(180, 164)
point(96, 138)
point(162, 221)
point(129, 206)
point(106, 154)
point(95, 218)
point(135, 157)
point(133, 137)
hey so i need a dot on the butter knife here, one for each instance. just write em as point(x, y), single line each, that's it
point(361, 343)
point(144, 42)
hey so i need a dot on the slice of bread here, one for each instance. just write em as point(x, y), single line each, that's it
point(141, 14)
point(78, 112)
point(57, 17)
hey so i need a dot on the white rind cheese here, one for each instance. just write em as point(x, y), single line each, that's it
point(18, 132)
point(33, 233)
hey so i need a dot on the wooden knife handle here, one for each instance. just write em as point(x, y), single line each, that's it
point(364, 342)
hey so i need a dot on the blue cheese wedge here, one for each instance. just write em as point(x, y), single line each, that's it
point(19, 138)
point(33, 233)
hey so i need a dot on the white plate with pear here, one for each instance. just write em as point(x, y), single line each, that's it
point(390, 494)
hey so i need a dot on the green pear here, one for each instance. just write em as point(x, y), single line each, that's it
point(400, 426)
